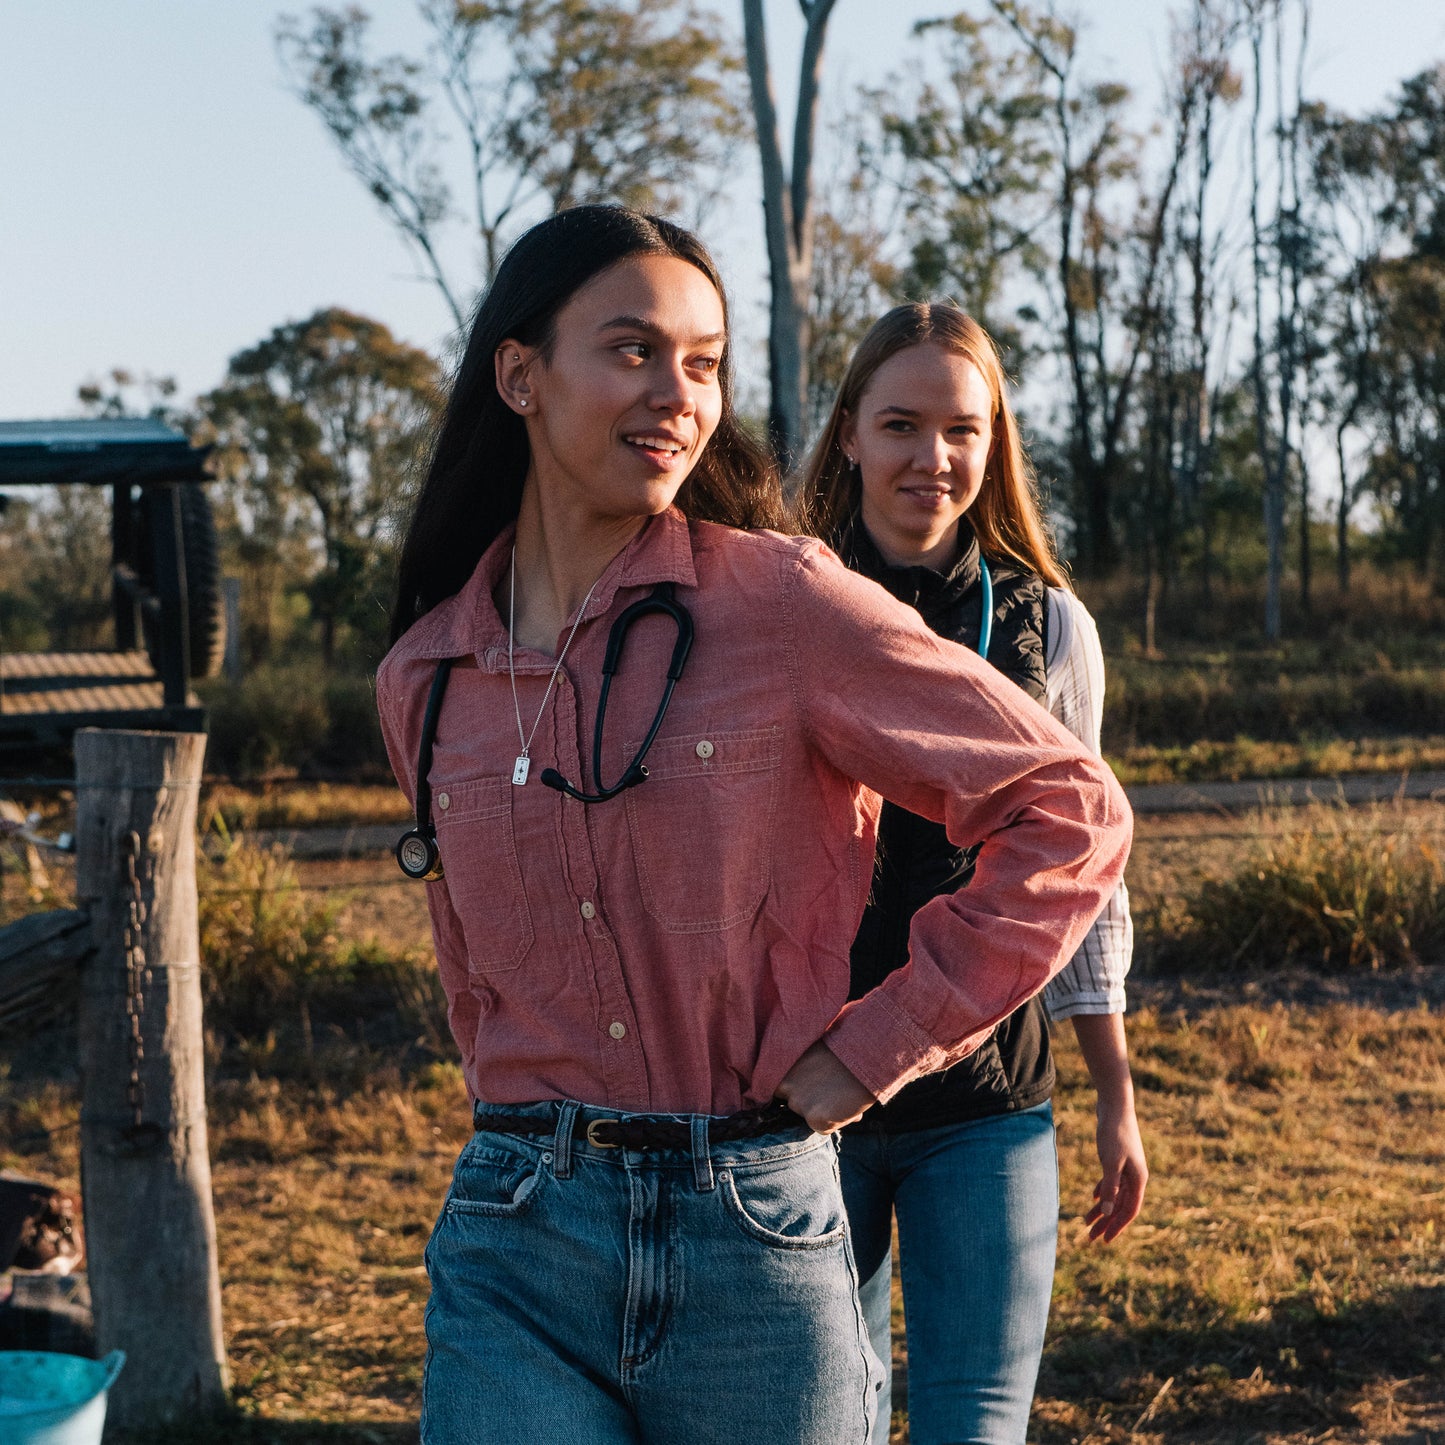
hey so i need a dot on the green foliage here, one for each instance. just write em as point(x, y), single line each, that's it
point(278, 978)
point(1149, 704)
point(1244, 759)
point(280, 804)
point(294, 718)
point(550, 103)
point(853, 282)
point(975, 161)
point(1332, 887)
point(318, 430)
point(55, 571)
point(266, 945)
point(122, 393)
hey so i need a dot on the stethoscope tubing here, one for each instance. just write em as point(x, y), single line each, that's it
point(417, 851)
point(662, 599)
point(985, 625)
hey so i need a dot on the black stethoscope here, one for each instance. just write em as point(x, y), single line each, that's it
point(417, 851)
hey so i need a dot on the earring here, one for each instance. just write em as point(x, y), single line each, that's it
point(522, 401)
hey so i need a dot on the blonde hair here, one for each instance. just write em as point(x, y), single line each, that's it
point(1007, 518)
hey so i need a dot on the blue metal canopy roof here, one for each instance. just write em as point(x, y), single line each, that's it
point(98, 451)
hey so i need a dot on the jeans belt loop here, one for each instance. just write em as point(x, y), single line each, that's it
point(701, 1155)
point(562, 1143)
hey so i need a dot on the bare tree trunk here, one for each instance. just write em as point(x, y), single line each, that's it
point(1298, 344)
point(1151, 603)
point(150, 1229)
point(1273, 472)
point(1342, 516)
point(1306, 571)
point(787, 221)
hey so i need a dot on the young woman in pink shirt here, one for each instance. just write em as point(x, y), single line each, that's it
point(647, 741)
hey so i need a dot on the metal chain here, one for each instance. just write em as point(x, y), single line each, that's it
point(137, 975)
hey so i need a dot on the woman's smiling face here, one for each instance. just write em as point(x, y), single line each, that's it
point(921, 437)
point(625, 399)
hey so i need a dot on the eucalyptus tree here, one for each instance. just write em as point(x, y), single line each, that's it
point(512, 110)
point(1405, 400)
point(1107, 262)
point(1205, 39)
point(1350, 189)
point(967, 132)
point(1284, 256)
point(856, 251)
point(317, 429)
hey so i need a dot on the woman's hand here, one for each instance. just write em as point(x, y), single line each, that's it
point(823, 1091)
point(1119, 1194)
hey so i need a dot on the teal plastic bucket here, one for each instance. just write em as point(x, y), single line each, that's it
point(50, 1399)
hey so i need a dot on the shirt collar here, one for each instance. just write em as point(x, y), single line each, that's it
point(469, 622)
point(916, 584)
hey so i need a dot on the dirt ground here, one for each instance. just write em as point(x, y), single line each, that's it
point(1284, 1286)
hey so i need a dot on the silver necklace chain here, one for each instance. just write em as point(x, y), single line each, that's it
point(523, 765)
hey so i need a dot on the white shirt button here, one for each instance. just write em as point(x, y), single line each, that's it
point(705, 750)
point(444, 800)
point(617, 1030)
point(588, 911)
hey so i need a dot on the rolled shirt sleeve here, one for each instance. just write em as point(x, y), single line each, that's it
point(932, 728)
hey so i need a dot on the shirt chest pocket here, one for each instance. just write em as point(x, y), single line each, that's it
point(702, 827)
point(479, 853)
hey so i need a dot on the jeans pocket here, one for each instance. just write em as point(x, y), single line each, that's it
point(492, 1180)
point(795, 1204)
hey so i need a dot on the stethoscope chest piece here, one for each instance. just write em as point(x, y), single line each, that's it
point(416, 849)
point(419, 856)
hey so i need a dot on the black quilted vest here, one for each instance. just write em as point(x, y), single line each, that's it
point(916, 862)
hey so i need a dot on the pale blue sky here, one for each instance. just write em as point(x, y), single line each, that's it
point(164, 202)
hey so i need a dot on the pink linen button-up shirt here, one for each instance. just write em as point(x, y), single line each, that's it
point(677, 948)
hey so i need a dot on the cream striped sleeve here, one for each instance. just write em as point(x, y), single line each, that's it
point(1092, 982)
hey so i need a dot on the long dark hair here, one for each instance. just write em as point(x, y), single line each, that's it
point(473, 484)
point(1007, 518)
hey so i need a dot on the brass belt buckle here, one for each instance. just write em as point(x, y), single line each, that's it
point(592, 1134)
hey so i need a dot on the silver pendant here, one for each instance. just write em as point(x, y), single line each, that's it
point(520, 769)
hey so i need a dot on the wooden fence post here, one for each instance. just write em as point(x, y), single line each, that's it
point(145, 1173)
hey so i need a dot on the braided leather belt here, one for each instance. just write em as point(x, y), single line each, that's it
point(643, 1132)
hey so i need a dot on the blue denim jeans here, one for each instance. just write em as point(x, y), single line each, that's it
point(978, 1214)
point(590, 1295)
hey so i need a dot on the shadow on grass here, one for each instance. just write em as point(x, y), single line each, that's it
point(1298, 1369)
point(234, 1428)
point(1359, 1372)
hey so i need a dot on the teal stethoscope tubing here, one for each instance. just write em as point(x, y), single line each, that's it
point(985, 626)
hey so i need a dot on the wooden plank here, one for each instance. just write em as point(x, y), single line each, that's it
point(43, 665)
point(83, 684)
point(40, 959)
point(132, 697)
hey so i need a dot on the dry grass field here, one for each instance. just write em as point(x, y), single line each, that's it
point(1285, 1284)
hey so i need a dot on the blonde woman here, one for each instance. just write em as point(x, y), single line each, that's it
point(920, 482)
